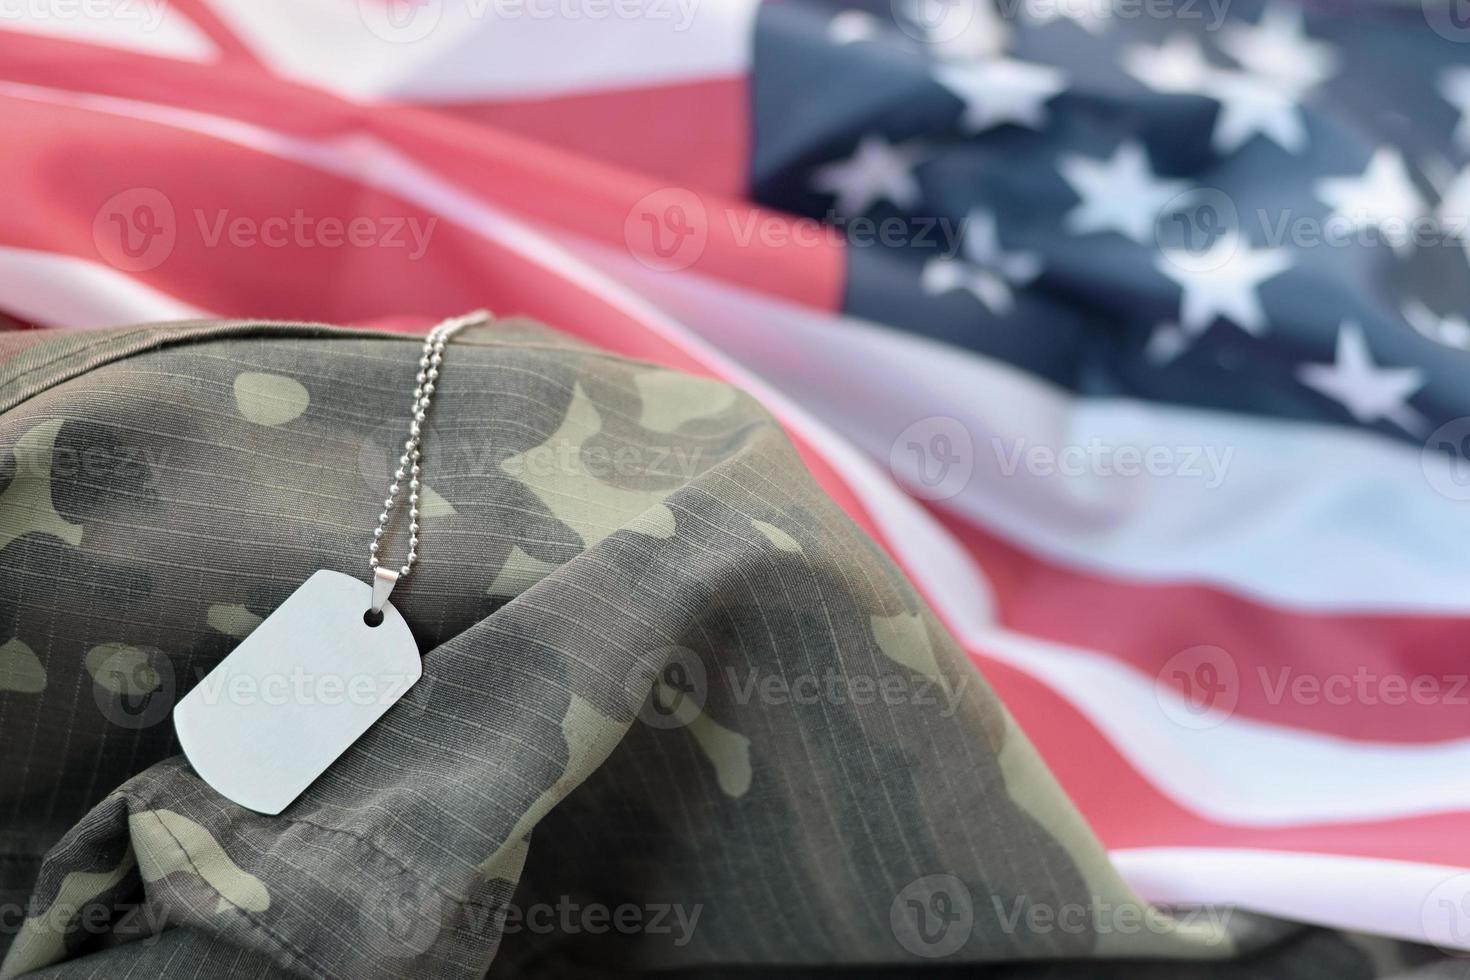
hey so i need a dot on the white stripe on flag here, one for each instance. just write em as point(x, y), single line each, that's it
point(1236, 770)
point(1313, 516)
point(478, 50)
point(152, 27)
point(1423, 903)
point(68, 292)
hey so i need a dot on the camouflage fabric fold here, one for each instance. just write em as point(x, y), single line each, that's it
point(677, 712)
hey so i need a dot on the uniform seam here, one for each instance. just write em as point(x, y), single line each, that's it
point(323, 331)
point(464, 901)
point(461, 900)
point(281, 941)
point(65, 355)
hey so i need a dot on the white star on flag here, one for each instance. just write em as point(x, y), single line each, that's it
point(1453, 212)
point(941, 275)
point(1251, 104)
point(1382, 197)
point(1454, 85)
point(877, 170)
point(1002, 90)
point(1167, 342)
point(982, 247)
point(1452, 330)
point(1278, 47)
point(1175, 67)
point(1367, 391)
point(987, 272)
point(1120, 194)
point(1222, 281)
point(851, 26)
point(1093, 16)
point(955, 30)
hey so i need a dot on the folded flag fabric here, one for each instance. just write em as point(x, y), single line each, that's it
point(1136, 333)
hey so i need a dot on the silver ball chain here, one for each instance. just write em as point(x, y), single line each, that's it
point(408, 463)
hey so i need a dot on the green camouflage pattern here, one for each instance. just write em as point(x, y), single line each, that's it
point(677, 712)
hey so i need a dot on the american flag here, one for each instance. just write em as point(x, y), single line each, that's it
point(1135, 330)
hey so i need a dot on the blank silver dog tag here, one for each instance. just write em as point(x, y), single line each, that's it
point(296, 693)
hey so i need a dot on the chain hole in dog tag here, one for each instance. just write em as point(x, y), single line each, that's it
point(297, 692)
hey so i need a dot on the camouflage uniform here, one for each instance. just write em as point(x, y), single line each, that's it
point(677, 712)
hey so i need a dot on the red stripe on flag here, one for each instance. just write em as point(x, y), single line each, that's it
point(209, 184)
point(199, 13)
point(694, 134)
point(1125, 810)
point(212, 187)
point(766, 251)
point(1372, 677)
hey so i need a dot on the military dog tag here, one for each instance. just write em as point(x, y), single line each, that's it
point(297, 692)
